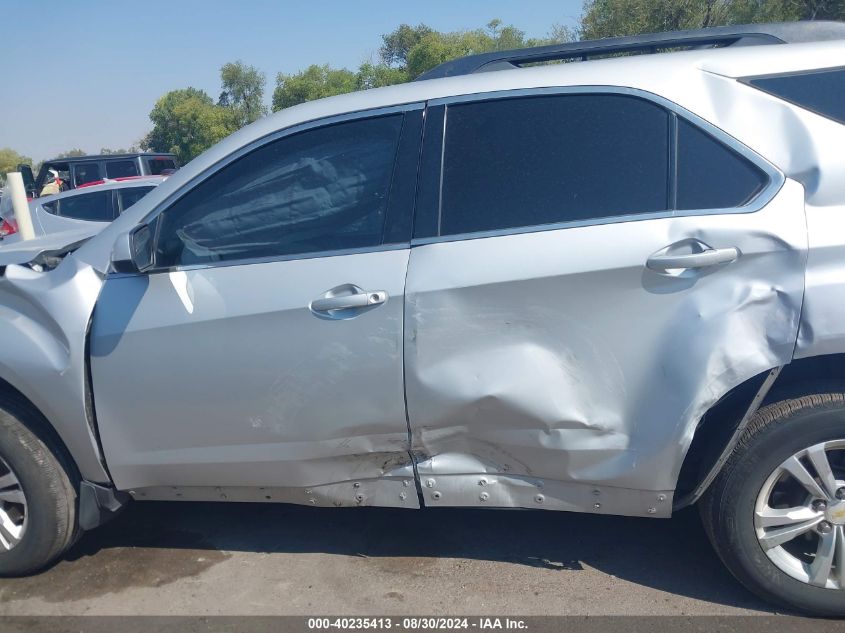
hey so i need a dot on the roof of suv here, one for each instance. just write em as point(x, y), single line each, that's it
point(90, 157)
point(710, 37)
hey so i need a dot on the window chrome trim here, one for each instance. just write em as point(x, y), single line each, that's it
point(765, 195)
point(197, 180)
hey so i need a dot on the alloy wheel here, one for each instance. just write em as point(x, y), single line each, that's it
point(799, 516)
point(13, 509)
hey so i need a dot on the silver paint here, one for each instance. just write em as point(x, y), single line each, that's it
point(224, 376)
point(553, 356)
point(557, 355)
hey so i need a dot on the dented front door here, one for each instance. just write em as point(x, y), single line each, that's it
point(238, 377)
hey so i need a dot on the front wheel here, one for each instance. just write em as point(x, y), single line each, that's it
point(37, 494)
point(776, 512)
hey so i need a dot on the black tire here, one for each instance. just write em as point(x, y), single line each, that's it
point(49, 484)
point(776, 432)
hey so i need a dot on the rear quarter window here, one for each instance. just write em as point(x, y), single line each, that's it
point(121, 168)
point(821, 91)
point(158, 166)
point(95, 206)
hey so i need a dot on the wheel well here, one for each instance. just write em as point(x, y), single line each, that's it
point(803, 376)
point(31, 416)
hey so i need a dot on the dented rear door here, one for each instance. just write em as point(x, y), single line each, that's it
point(590, 274)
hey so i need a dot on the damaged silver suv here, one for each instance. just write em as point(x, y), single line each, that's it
point(612, 286)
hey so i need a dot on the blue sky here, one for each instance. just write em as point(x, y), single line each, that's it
point(86, 73)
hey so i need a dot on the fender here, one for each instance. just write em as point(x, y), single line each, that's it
point(44, 319)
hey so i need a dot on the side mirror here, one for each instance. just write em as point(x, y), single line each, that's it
point(133, 251)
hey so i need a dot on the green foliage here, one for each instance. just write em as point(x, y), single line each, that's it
point(609, 18)
point(105, 150)
point(379, 75)
point(315, 82)
point(406, 52)
point(73, 153)
point(243, 93)
point(9, 161)
point(187, 122)
point(397, 44)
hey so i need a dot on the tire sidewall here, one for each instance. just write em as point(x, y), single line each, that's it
point(737, 501)
point(33, 465)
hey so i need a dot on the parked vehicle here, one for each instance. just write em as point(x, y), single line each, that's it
point(613, 286)
point(77, 171)
point(88, 207)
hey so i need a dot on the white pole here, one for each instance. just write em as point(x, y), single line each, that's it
point(15, 188)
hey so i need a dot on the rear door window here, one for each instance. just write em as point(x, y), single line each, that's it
point(95, 206)
point(822, 91)
point(86, 172)
point(121, 168)
point(538, 160)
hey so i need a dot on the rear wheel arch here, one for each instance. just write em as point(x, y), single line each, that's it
point(715, 430)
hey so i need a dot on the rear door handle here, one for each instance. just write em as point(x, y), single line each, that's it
point(707, 257)
point(356, 300)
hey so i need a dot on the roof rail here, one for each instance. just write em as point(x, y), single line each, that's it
point(711, 37)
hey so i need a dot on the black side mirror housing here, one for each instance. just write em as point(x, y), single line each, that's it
point(133, 251)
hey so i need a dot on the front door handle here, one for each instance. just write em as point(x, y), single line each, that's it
point(707, 257)
point(348, 297)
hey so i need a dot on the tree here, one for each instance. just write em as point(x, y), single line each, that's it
point(315, 82)
point(397, 44)
point(609, 18)
point(9, 161)
point(243, 92)
point(379, 75)
point(105, 150)
point(427, 48)
point(72, 153)
point(186, 122)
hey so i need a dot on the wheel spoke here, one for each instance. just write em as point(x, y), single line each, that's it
point(840, 555)
point(12, 495)
point(818, 458)
point(779, 536)
point(8, 480)
point(823, 561)
point(9, 532)
point(774, 517)
point(795, 468)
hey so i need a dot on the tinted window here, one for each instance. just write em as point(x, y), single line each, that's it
point(50, 207)
point(131, 195)
point(821, 91)
point(319, 190)
point(121, 168)
point(710, 175)
point(538, 160)
point(90, 206)
point(157, 166)
point(86, 172)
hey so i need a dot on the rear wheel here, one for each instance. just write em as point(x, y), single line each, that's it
point(776, 512)
point(37, 495)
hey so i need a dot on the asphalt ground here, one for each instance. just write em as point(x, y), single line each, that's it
point(160, 558)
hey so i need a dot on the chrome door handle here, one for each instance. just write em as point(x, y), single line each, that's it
point(362, 299)
point(707, 257)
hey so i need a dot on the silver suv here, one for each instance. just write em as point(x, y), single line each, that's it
point(615, 286)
